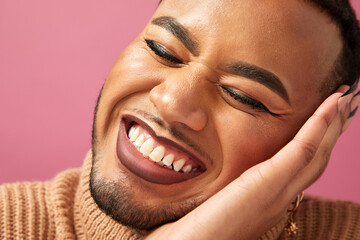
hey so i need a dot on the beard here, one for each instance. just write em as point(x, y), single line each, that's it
point(117, 199)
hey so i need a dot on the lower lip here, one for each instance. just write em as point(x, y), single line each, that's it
point(142, 167)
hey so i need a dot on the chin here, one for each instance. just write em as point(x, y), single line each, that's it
point(118, 199)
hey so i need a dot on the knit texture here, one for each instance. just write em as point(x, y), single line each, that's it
point(64, 209)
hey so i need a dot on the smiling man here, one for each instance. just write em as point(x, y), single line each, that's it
point(190, 128)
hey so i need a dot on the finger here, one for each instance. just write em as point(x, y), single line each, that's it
point(317, 166)
point(299, 152)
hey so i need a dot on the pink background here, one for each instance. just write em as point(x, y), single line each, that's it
point(54, 57)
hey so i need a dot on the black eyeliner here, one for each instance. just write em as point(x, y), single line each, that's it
point(161, 52)
point(246, 100)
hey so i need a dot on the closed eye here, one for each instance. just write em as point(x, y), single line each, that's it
point(246, 100)
point(161, 52)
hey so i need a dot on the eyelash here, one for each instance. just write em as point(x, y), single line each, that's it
point(161, 52)
point(246, 100)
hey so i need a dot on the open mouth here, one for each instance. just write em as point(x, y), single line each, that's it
point(153, 158)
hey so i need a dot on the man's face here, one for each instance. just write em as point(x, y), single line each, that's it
point(222, 85)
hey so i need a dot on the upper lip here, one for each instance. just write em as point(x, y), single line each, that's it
point(131, 118)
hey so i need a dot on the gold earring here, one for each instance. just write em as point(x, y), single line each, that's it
point(291, 228)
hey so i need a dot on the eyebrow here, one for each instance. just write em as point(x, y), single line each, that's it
point(257, 74)
point(179, 31)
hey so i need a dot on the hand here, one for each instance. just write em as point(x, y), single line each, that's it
point(259, 198)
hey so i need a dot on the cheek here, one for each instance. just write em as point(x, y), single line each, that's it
point(249, 141)
point(134, 71)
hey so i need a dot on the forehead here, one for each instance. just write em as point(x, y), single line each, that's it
point(291, 38)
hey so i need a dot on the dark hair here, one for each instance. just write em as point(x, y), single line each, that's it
point(346, 69)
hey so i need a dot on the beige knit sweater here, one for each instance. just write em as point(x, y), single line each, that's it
point(64, 209)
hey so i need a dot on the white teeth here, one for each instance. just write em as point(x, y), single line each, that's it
point(187, 168)
point(157, 154)
point(139, 141)
point(168, 160)
point(131, 131)
point(179, 164)
point(147, 147)
point(134, 135)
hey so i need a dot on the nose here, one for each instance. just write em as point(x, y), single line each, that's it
point(179, 99)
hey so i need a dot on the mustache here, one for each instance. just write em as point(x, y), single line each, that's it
point(174, 131)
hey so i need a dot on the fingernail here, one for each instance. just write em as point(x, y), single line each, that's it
point(357, 94)
point(351, 89)
point(353, 112)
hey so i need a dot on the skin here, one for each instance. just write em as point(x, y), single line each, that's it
point(290, 39)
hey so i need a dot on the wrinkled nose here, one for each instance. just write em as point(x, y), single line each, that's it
point(179, 100)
